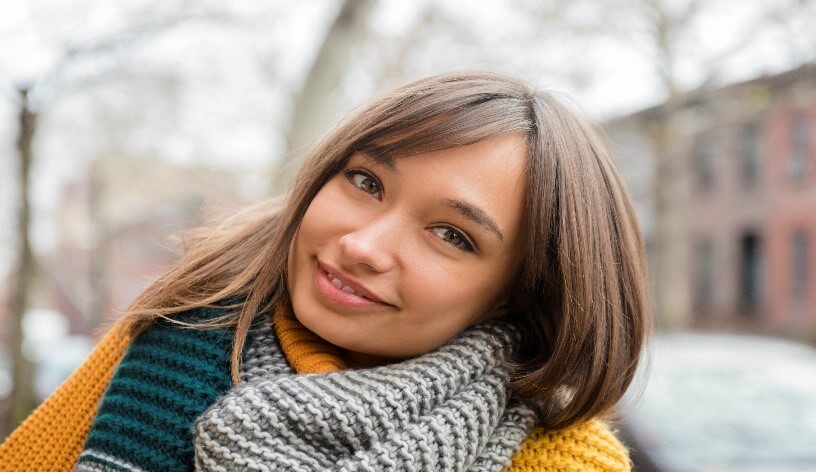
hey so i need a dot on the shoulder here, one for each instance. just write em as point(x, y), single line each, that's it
point(587, 446)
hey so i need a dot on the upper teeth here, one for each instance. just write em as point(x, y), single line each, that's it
point(339, 284)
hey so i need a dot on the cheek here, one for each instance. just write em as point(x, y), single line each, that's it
point(306, 240)
point(445, 296)
point(317, 220)
point(330, 212)
point(440, 313)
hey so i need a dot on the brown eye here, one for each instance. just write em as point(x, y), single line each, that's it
point(362, 180)
point(453, 237)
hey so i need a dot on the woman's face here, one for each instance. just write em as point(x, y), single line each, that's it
point(435, 239)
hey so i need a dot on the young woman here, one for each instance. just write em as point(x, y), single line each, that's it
point(455, 280)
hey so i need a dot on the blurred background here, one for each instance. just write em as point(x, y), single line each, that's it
point(123, 123)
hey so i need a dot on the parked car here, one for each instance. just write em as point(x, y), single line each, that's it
point(51, 349)
point(712, 402)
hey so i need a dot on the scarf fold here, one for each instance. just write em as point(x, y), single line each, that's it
point(449, 409)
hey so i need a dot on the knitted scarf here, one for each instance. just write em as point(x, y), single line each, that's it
point(449, 409)
point(167, 377)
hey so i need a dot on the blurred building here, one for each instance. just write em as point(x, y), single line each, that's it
point(743, 200)
point(115, 232)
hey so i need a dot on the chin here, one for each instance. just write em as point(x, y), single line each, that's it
point(348, 337)
point(325, 326)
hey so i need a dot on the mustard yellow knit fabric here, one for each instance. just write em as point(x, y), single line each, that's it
point(305, 351)
point(52, 438)
point(588, 446)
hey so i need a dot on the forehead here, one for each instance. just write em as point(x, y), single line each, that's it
point(509, 145)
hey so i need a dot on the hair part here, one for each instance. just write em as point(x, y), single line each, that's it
point(580, 297)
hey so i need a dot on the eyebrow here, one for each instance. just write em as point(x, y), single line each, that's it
point(467, 210)
point(475, 214)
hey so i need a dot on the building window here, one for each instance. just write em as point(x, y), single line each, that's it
point(703, 162)
point(751, 273)
point(749, 144)
point(798, 165)
point(799, 266)
point(703, 282)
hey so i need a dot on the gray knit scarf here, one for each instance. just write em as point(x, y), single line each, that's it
point(449, 409)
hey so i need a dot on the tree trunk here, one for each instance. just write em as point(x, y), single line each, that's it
point(98, 277)
point(312, 108)
point(671, 300)
point(22, 393)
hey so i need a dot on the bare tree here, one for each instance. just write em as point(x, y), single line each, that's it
point(21, 395)
point(309, 115)
point(664, 29)
point(31, 100)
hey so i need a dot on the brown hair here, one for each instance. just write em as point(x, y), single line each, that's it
point(581, 293)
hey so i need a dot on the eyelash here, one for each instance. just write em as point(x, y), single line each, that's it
point(349, 173)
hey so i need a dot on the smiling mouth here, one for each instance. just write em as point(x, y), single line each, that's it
point(348, 289)
point(347, 284)
point(349, 298)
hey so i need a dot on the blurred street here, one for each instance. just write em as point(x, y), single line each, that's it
point(124, 124)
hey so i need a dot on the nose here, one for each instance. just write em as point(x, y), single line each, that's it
point(370, 247)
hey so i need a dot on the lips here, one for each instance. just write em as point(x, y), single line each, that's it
point(360, 289)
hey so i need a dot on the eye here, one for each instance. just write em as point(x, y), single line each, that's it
point(454, 237)
point(363, 180)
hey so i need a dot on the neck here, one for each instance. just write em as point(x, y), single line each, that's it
point(361, 360)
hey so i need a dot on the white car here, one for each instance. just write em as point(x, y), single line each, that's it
point(713, 402)
point(49, 346)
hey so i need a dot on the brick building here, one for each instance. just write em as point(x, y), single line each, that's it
point(744, 201)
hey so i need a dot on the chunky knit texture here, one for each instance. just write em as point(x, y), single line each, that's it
point(589, 446)
point(306, 352)
point(166, 380)
point(445, 410)
point(53, 436)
